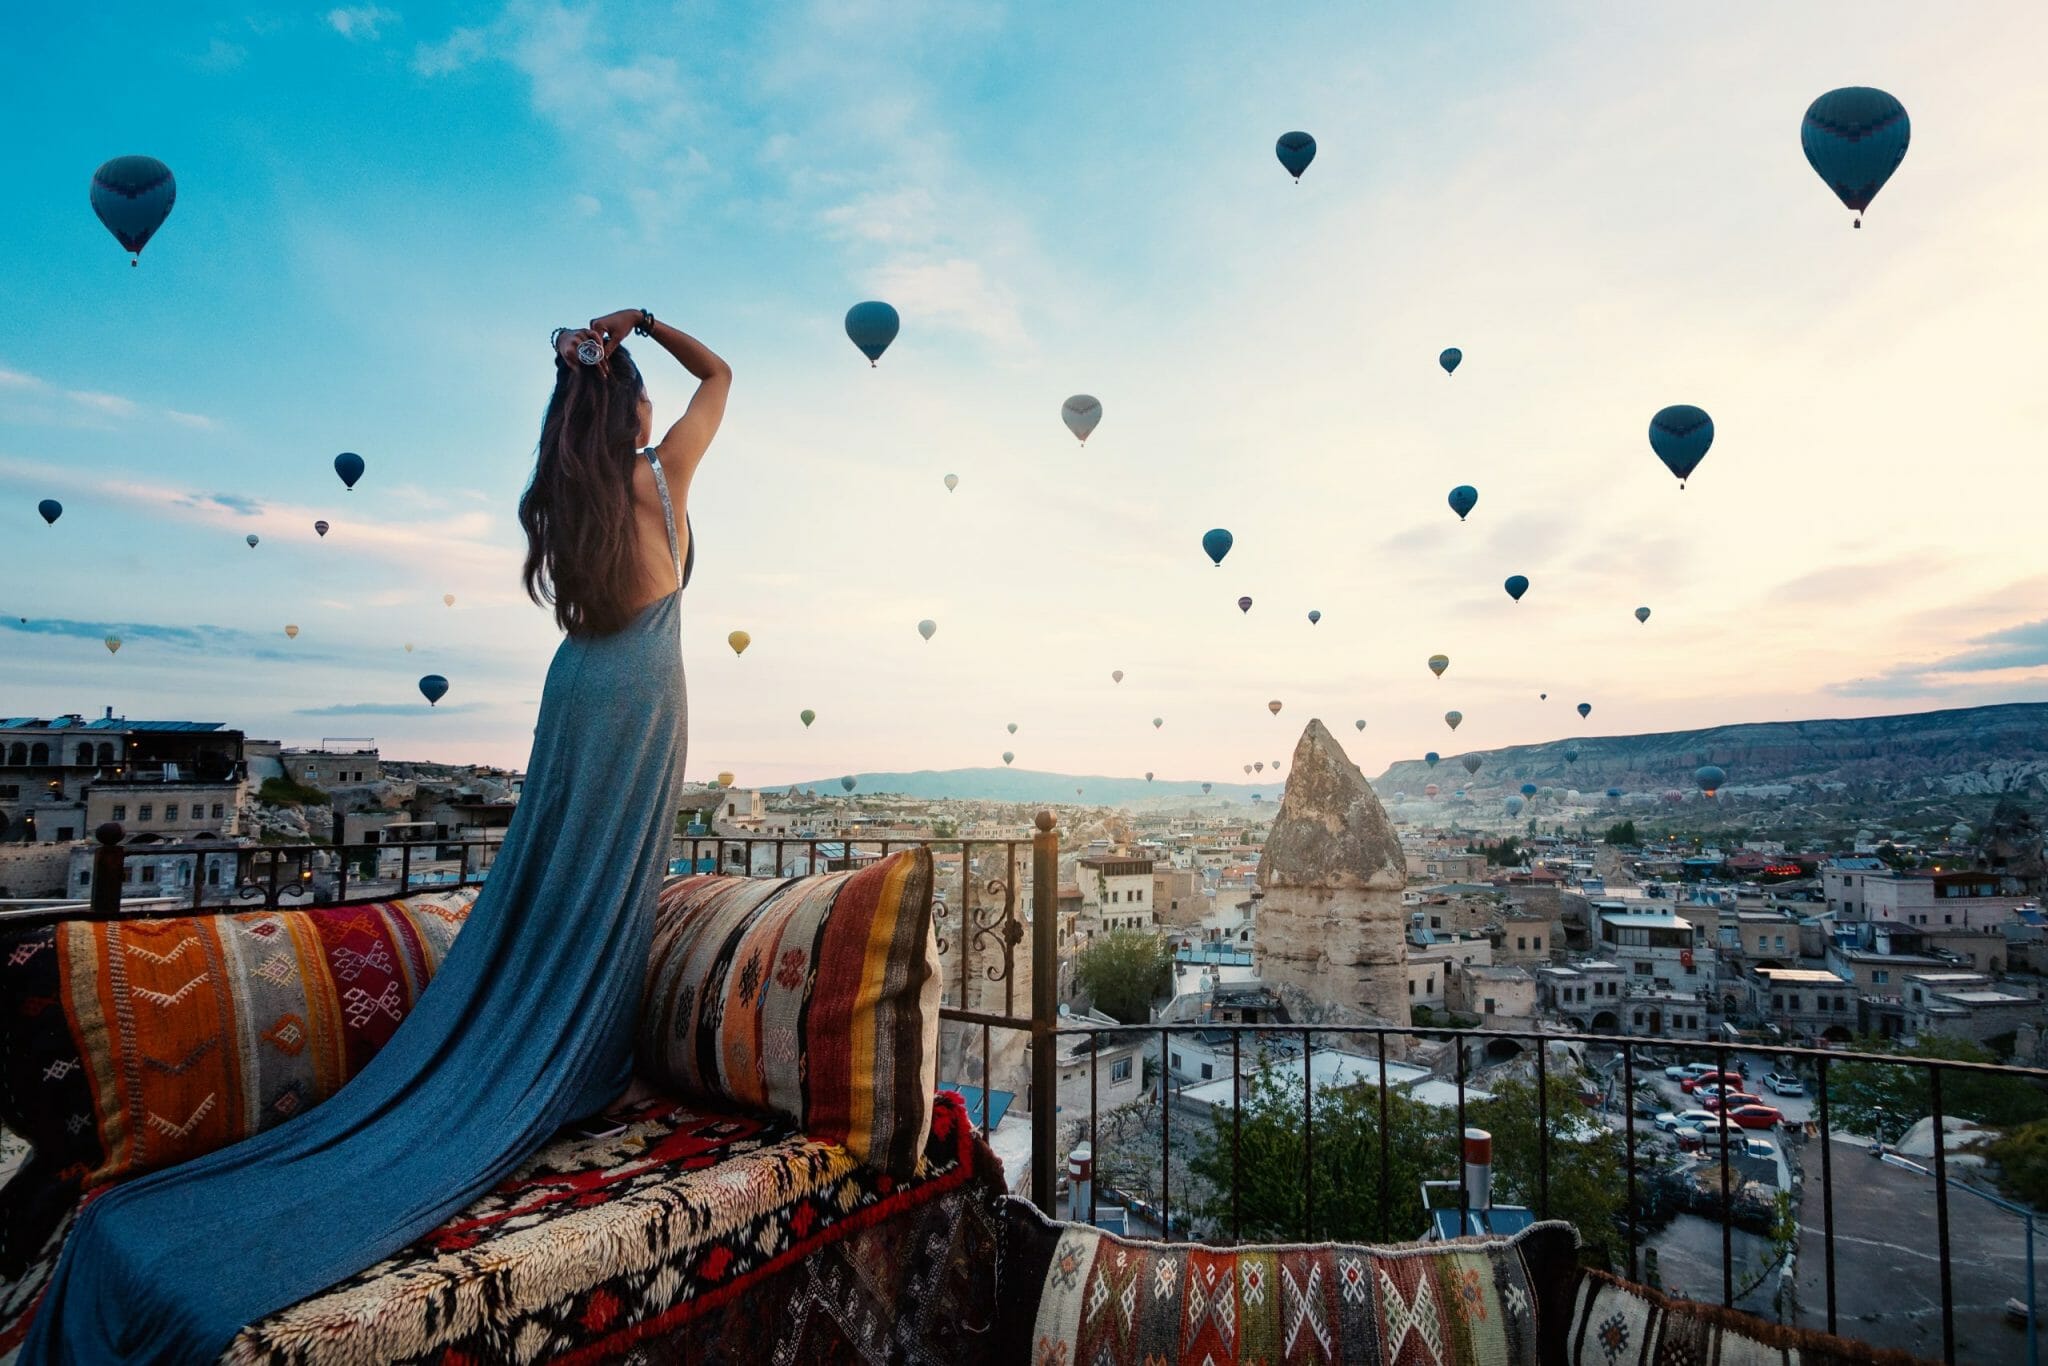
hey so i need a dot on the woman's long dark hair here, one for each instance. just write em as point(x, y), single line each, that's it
point(578, 511)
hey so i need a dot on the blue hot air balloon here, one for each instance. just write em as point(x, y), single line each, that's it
point(1463, 499)
point(1528, 789)
point(133, 197)
point(1205, 789)
point(1314, 616)
point(1854, 138)
point(1680, 435)
point(872, 326)
point(349, 466)
point(1710, 777)
point(1449, 359)
point(1585, 710)
point(1296, 151)
point(847, 783)
point(1517, 585)
point(1571, 756)
point(433, 687)
point(51, 510)
point(1432, 758)
point(1217, 543)
point(1614, 792)
point(1514, 806)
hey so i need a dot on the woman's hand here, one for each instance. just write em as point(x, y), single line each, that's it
point(613, 327)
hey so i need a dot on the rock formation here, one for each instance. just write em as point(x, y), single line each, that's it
point(1332, 931)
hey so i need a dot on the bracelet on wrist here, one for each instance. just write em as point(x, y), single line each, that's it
point(645, 325)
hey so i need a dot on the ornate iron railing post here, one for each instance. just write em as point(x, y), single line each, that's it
point(1045, 1006)
point(107, 863)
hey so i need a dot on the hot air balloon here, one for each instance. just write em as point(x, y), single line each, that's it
point(1674, 797)
point(1528, 789)
point(1514, 805)
point(1013, 728)
point(349, 466)
point(1543, 697)
point(1438, 663)
point(1244, 604)
point(739, 640)
point(807, 716)
point(1710, 777)
point(1081, 413)
point(1431, 791)
point(113, 645)
point(1259, 767)
point(1613, 792)
point(252, 538)
point(1359, 724)
point(1448, 358)
point(1295, 150)
point(447, 599)
point(320, 529)
point(1432, 758)
point(133, 197)
point(1205, 789)
point(1571, 756)
point(1463, 499)
point(952, 482)
point(1854, 138)
point(1148, 775)
point(1452, 718)
point(847, 783)
point(1472, 763)
point(1642, 614)
point(1585, 710)
point(408, 647)
point(1158, 721)
point(1517, 585)
point(1680, 435)
point(1007, 756)
point(1314, 616)
point(291, 633)
point(1274, 706)
point(1116, 675)
point(872, 326)
point(433, 687)
point(927, 628)
point(1550, 794)
point(725, 780)
point(51, 510)
point(1216, 544)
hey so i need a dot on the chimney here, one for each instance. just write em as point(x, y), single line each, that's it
point(110, 714)
point(1478, 1169)
point(1081, 1184)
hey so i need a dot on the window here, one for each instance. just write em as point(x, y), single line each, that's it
point(120, 811)
point(1429, 985)
point(1489, 1006)
point(170, 811)
point(146, 812)
point(1639, 1019)
point(1777, 1000)
point(311, 772)
point(1642, 969)
point(1411, 986)
point(1176, 1061)
point(1208, 1071)
point(1120, 1070)
point(219, 810)
point(1880, 977)
point(1948, 920)
point(1794, 999)
point(1521, 943)
point(1537, 943)
point(1436, 922)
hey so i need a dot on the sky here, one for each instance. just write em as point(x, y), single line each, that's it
point(383, 210)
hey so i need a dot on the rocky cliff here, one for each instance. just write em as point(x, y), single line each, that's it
point(1977, 750)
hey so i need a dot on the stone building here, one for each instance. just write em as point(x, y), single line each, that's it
point(1332, 930)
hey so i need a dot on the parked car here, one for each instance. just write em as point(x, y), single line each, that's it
point(1691, 1084)
point(1756, 1116)
point(1785, 1084)
point(1669, 1122)
point(1759, 1147)
point(1699, 1119)
point(1689, 1069)
point(1730, 1101)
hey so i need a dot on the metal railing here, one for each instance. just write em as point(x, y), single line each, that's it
point(1722, 1054)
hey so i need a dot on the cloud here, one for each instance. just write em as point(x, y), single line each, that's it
point(954, 292)
point(461, 48)
point(2024, 646)
point(361, 23)
point(1841, 583)
point(233, 502)
point(383, 709)
point(221, 55)
point(95, 405)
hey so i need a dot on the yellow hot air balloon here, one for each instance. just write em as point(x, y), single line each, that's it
point(725, 780)
point(739, 640)
point(447, 599)
point(1438, 663)
point(113, 645)
point(408, 647)
point(291, 633)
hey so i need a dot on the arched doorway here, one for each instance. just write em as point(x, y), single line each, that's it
point(1500, 1050)
point(1606, 1023)
point(1837, 1034)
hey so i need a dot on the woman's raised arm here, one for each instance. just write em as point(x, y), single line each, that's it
point(690, 437)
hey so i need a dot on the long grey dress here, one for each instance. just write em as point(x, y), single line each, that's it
point(528, 1025)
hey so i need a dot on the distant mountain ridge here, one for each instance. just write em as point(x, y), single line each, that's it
point(1029, 785)
point(1966, 751)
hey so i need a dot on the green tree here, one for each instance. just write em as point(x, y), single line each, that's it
point(1623, 833)
point(1866, 1097)
point(286, 792)
point(2022, 1158)
point(1588, 1162)
point(1124, 972)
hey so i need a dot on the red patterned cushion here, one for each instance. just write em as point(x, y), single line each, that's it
point(815, 998)
point(128, 1045)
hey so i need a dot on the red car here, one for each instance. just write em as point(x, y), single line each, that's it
point(1734, 1100)
point(1691, 1084)
point(1756, 1116)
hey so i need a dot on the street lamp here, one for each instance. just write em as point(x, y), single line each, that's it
point(2026, 1217)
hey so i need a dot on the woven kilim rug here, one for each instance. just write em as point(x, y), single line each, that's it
point(1616, 1323)
point(669, 1242)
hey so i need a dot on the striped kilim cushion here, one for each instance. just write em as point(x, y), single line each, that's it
point(815, 998)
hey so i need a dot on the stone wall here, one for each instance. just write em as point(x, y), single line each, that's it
point(35, 870)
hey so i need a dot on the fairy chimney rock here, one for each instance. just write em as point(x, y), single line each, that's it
point(1332, 928)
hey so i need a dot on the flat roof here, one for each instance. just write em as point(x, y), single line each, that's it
point(1647, 920)
point(1987, 998)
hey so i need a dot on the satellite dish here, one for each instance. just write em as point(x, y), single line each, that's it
point(1065, 1011)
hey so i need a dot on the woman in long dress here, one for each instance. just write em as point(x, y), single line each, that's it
point(529, 1023)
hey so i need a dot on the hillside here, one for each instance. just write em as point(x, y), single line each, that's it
point(1027, 785)
point(1966, 752)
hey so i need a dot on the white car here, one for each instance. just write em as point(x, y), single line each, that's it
point(1689, 1069)
point(1704, 1120)
point(1669, 1122)
point(1785, 1084)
